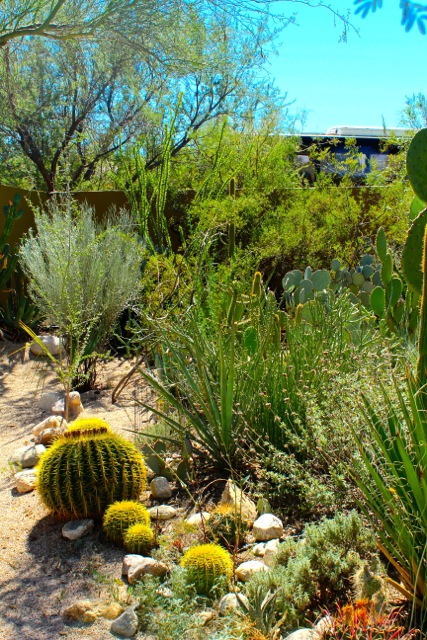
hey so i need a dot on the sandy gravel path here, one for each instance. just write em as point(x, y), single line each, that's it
point(41, 572)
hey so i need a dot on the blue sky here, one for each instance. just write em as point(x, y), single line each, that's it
point(354, 83)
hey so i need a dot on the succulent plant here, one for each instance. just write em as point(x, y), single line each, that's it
point(139, 538)
point(88, 424)
point(205, 564)
point(122, 515)
point(226, 526)
point(86, 471)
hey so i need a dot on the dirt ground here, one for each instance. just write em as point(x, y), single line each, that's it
point(40, 571)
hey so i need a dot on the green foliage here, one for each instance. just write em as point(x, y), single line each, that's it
point(392, 475)
point(227, 372)
point(82, 276)
point(120, 516)
point(226, 526)
point(16, 307)
point(139, 538)
point(8, 258)
point(205, 564)
point(81, 474)
point(314, 572)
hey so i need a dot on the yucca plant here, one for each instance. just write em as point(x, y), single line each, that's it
point(214, 373)
point(393, 479)
point(393, 473)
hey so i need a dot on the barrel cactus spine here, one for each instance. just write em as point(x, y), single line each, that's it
point(120, 516)
point(88, 424)
point(205, 565)
point(86, 471)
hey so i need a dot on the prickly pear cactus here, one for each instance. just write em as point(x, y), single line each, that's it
point(412, 253)
point(416, 164)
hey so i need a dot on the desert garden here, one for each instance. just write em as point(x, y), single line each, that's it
point(218, 439)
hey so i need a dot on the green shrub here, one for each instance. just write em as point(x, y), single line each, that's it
point(82, 276)
point(316, 571)
point(81, 474)
point(120, 516)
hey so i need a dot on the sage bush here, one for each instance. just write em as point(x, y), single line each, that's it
point(82, 275)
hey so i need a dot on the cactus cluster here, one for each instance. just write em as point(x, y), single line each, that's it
point(375, 283)
point(87, 470)
point(205, 564)
point(122, 515)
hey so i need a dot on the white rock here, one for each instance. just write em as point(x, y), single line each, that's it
point(233, 496)
point(259, 549)
point(205, 617)
point(247, 569)
point(162, 512)
point(26, 480)
point(147, 566)
point(53, 422)
point(49, 435)
point(303, 634)
point(131, 560)
point(51, 343)
point(230, 602)
point(324, 624)
point(47, 400)
point(127, 624)
point(270, 549)
point(195, 520)
point(267, 527)
point(160, 489)
point(27, 456)
point(77, 529)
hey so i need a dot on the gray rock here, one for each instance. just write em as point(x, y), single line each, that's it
point(247, 569)
point(230, 602)
point(147, 566)
point(47, 400)
point(26, 480)
point(77, 529)
point(126, 625)
point(162, 512)
point(160, 488)
point(27, 456)
point(303, 634)
point(267, 527)
point(131, 560)
point(51, 343)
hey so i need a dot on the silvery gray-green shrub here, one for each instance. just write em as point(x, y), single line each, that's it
point(82, 275)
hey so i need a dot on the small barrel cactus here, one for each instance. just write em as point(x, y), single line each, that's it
point(88, 425)
point(139, 538)
point(122, 515)
point(205, 564)
point(226, 526)
point(86, 471)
